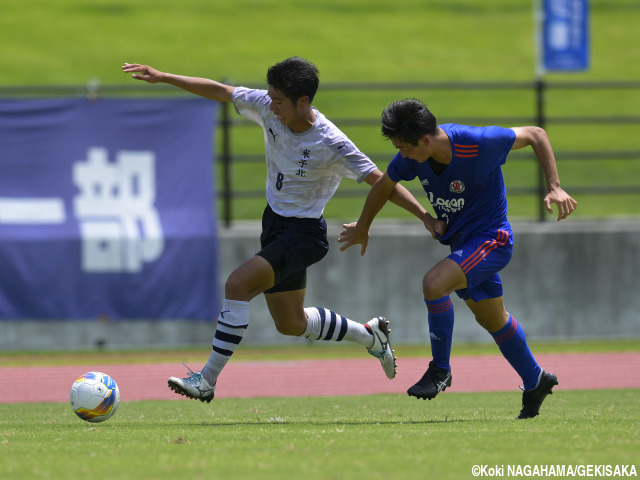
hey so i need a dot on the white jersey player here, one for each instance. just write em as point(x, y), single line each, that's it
point(303, 169)
point(306, 158)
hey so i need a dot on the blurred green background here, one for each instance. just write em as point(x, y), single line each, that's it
point(74, 41)
point(77, 42)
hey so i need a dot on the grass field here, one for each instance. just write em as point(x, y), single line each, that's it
point(372, 437)
point(355, 437)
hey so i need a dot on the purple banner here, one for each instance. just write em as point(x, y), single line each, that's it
point(107, 209)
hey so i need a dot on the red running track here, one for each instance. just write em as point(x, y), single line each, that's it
point(322, 377)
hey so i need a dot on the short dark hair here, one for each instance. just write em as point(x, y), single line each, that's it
point(294, 77)
point(408, 120)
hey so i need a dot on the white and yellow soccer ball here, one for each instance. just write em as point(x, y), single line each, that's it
point(94, 397)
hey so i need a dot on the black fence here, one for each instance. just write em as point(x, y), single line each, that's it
point(606, 106)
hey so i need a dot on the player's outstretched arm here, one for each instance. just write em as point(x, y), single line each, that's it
point(539, 141)
point(196, 85)
point(358, 233)
point(404, 199)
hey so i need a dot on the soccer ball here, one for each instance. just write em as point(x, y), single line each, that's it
point(94, 397)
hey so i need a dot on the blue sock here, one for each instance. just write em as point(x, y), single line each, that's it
point(440, 330)
point(513, 345)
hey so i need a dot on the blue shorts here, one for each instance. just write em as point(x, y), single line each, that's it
point(290, 245)
point(481, 258)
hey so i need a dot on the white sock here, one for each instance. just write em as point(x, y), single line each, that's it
point(323, 324)
point(232, 324)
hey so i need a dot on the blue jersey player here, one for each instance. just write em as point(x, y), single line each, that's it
point(459, 168)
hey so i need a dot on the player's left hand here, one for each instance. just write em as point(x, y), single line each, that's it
point(565, 203)
point(352, 235)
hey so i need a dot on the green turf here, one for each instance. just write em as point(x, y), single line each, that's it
point(370, 437)
point(380, 436)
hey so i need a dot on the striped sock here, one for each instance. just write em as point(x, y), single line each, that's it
point(323, 324)
point(440, 330)
point(513, 345)
point(232, 324)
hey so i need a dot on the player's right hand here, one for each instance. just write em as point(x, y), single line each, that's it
point(351, 235)
point(142, 72)
point(435, 227)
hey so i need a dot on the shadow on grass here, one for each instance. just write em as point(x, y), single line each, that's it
point(282, 422)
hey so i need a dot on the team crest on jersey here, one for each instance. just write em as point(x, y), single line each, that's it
point(456, 186)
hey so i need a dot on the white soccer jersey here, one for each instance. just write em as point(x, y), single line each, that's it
point(303, 169)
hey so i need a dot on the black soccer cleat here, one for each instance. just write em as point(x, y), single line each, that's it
point(434, 381)
point(532, 399)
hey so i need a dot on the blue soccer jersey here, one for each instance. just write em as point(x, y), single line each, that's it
point(469, 195)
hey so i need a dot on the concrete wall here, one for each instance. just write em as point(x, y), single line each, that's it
point(567, 280)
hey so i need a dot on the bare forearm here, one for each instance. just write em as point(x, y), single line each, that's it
point(548, 163)
point(404, 199)
point(380, 193)
point(382, 188)
point(196, 85)
point(203, 87)
point(372, 207)
point(538, 139)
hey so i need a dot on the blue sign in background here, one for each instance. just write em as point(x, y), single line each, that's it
point(565, 35)
point(107, 209)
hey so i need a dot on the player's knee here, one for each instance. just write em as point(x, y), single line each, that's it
point(235, 289)
point(432, 289)
point(293, 329)
point(492, 322)
point(484, 323)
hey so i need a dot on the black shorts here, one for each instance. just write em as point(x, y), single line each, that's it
point(290, 245)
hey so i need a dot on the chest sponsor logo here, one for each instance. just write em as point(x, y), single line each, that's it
point(449, 205)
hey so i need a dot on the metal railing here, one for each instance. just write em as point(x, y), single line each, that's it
point(537, 114)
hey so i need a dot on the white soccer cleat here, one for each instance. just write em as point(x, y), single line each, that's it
point(381, 348)
point(193, 386)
